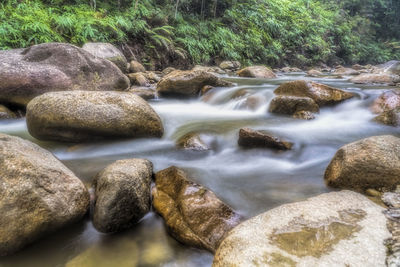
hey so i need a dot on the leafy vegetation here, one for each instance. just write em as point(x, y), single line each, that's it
point(273, 32)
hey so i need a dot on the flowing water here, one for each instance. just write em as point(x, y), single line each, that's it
point(251, 181)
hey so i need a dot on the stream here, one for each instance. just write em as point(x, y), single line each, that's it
point(250, 181)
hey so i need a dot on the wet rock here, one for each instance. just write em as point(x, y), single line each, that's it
point(54, 67)
point(122, 194)
point(335, 229)
point(254, 102)
point(250, 138)
point(138, 79)
point(304, 115)
point(79, 116)
point(205, 89)
point(314, 73)
point(229, 65)
point(389, 117)
point(257, 72)
point(146, 93)
point(38, 194)
point(187, 83)
point(345, 72)
point(192, 213)
point(212, 69)
point(290, 69)
point(388, 100)
point(168, 70)
point(372, 162)
point(391, 199)
point(291, 105)
point(135, 66)
point(5, 113)
point(152, 76)
point(192, 141)
point(366, 78)
point(320, 93)
point(109, 52)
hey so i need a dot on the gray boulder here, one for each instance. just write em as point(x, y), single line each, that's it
point(109, 52)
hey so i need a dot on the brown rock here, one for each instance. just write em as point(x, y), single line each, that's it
point(314, 73)
point(250, 138)
point(50, 67)
point(122, 195)
point(192, 213)
point(320, 93)
point(291, 105)
point(345, 72)
point(192, 141)
point(389, 117)
point(187, 83)
point(386, 101)
point(257, 72)
point(290, 69)
point(38, 194)
point(146, 93)
point(212, 69)
point(374, 78)
point(168, 70)
point(5, 113)
point(79, 116)
point(372, 162)
point(229, 65)
point(138, 78)
point(135, 66)
point(304, 115)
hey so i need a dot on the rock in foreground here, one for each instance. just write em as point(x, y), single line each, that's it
point(38, 194)
point(187, 83)
point(193, 214)
point(335, 229)
point(257, 72)
point(122, 194)
point(250, 138)
point(78, 116)
point(109, 52)
point(27, 73)
point(372, 162)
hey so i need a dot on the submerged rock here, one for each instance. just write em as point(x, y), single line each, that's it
point(299, 107)
point(192, 213)
point(320, 93)
point(50, 67)
point(38, 194)
point(250, 138)
point(122, 194)
point(188, 83)
point(192, 141)
point(257, 72)
point(78, 116)
point(373, 162)
point(109, 52)
point(335, 229)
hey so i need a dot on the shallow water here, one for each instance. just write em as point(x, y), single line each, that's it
point(251, 181)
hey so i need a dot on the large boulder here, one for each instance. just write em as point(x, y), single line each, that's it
point(249, 138)
point(122, 194)
point(334, 229)
point(187, 83)
point(50, 67)
point(386, 101)
point(322, 94)
point(372, 162)
point(298, 107)
point(79, 116)
point(257, 72)
point(109, 52)
point(38, 194)
point(383, 78)
point(193, 214)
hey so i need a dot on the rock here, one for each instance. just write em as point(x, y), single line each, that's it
point(390, 67)
point(334, 229)
point(122, 194)
point(304, 115)
point(345, 72)
point(290, 69)
point(374, 78)
point(187, 83)
point(5, 113)
point(212, 69)
point(135, 66)
point(253, 102)
point(152, 76)
point(389, 117)
point(320, 93)
point(54, 67)
point(314, 73)
point(138, 78)
point(205, 89)
point(372, 162)
point(79, 116)
point(168, 70)
point(38, 194)
point(192, 213)
point(257, 72)
point(359, 67)
point(391, 199)
point(109, 52)
point(229, 65)
point(146, 93)
point(388, 100)
point(250, 138)
point(192, 141)
point(291, 105)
